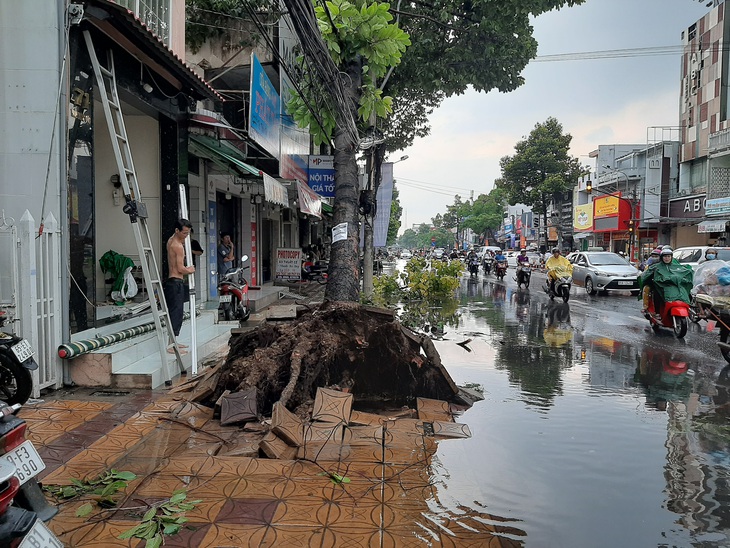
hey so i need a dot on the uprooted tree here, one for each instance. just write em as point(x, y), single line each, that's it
point(363, 350)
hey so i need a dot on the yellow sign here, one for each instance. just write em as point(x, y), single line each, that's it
point(606, 206)
point(583, 217)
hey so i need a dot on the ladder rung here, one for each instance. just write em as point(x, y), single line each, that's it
point(128, 171)
point(121, 138)
point(105, 71)
point(113, 105)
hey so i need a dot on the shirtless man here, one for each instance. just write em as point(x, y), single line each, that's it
point(174, 286)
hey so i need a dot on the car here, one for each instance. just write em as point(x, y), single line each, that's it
point(603, 271)
point(695, 255)
point(438, 252)
point(405, 254)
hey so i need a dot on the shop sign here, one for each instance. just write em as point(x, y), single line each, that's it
point(583, 217)
point(605, 206)
point(718, 206)
point(690, 207)
point(288, 264)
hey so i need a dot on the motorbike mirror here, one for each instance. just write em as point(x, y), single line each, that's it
point(244, 258)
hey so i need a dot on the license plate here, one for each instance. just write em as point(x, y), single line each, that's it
point(224, 299)
point(28, 463)
point(40, 535)
point(626, 283)
point(23, 350)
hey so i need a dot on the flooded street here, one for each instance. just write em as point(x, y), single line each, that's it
point(594, 431)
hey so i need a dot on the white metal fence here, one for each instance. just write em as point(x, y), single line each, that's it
point(34, 293)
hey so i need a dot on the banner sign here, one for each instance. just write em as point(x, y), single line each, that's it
point(275, 192)
point(717, 206)
point(263, 125)
point(288, 264)
point(309, 201)
point(383, 199)
point(583, 217)
point(605, 206)
point(322, 175)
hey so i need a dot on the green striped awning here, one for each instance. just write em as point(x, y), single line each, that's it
point(221, 154)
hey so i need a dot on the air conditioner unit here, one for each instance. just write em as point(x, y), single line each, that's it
point(682, 193)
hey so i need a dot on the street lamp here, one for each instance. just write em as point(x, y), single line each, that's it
point(402, 158)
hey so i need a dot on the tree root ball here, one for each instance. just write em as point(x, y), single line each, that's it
point(360, 349)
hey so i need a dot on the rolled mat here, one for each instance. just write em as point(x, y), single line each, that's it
point(68, 351)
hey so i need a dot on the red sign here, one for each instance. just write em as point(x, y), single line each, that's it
point(254, 274)
point(433, 239)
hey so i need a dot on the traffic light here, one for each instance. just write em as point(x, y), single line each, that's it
point(631, 225)
point(589, 186)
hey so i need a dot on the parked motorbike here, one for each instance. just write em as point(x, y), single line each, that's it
point(524, 273)
point(561, 288)
point(233, 294)
point(16, 363)
point(500, 270)
point(21, 524)
point(673, 315)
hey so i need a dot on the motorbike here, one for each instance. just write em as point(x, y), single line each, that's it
point(23, 506)
point(673, 315)
point(524, 273)
point(16, 364)
point(473, 266)
point(487, 265)
point(233, 294)
point(500, 270)
point(561, 287)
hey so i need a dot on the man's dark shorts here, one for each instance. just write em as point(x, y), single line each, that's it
point(174, 290)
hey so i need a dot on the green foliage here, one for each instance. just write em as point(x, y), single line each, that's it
point(353, 31)
point(541, 167)
point(102, 489)
point(228, 20)
point(162, 518)
point(484, 215)
point(440, 281)
point(387, 289)
point(421, 238)
point(430, 315)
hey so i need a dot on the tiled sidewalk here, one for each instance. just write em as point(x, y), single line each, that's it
point(389, 501)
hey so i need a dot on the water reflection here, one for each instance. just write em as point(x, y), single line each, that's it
point(639, 419)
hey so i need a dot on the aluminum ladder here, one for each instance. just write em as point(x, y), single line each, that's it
point(106, 81)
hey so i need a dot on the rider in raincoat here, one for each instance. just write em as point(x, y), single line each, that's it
point(669, 280)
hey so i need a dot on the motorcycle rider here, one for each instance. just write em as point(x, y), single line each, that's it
point(554, 263)
point(472, 262)
point(646, 290)
point(666, 257)
point(522, 258)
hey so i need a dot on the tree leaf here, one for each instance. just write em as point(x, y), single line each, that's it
point(84, 510)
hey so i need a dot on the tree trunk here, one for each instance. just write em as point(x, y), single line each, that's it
point(343, 276)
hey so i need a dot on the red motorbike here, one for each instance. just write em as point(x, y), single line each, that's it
point(23, 506)
point(672, 315)
point(233, 294)
point(500, 270)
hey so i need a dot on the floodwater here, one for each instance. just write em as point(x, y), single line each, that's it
point(583, 439)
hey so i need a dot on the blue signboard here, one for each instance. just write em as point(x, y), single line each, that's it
point(508, 228)
point(212, 249)
point(322, 175)
point(264, 117)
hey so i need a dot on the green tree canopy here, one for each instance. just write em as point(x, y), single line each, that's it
point(541, 168)
point(484, 216)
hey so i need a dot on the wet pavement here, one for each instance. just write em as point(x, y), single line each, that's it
point(172, 444)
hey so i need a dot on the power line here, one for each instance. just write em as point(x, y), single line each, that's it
point(434, 184)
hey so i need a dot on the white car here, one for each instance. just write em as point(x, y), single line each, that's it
point(405, 254)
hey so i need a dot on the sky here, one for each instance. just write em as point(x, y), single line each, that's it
point(598, 101)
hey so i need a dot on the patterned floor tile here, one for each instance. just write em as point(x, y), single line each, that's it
point(221, 535)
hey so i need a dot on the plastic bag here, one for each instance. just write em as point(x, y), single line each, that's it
point(712, 278)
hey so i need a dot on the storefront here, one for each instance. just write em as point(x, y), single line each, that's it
point(687, 212)
point(611, 223)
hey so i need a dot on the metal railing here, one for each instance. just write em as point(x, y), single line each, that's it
point(719, 140)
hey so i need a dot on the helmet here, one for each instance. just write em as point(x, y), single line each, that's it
point(523, 250)
point(666, 251)
point(622, 253)
point(556, 250)
point(657, 251)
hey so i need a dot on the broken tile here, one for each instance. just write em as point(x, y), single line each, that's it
point(332, 406)
point(323, 432)
point(276, 448)
point(286, 425)
point(451, 430)
point(433, 410)
point(239, 407)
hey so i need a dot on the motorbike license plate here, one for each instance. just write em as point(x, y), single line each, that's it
point(28, 463)
point(40, 535)
point(23, 351)
point(626, 283)
point(224, 299)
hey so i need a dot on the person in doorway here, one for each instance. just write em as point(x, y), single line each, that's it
point(174, 286)
point(225, 254)
point(195, 247)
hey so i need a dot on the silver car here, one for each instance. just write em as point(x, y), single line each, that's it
point(604, 271)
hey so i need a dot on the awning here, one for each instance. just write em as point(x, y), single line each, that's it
point(327, 209)
point(712, 226)
point(221, 154)
point(309, 201)
point(580, 235)
point(275, 192)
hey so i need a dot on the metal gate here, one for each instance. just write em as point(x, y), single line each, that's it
point(30, 292)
